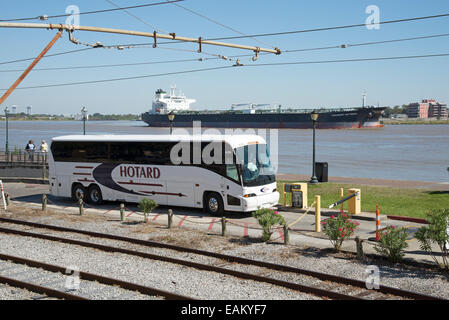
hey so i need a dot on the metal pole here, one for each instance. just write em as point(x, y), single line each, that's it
point(314, 180)
point(84, 115)
point(7, 144)
point(171, 36)
point(171, 127)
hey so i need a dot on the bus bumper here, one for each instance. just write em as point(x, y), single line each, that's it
point(261, 201)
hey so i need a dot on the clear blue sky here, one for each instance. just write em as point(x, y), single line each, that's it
point(305, 86)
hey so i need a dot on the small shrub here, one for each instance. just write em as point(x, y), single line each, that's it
point(338, 229)
point(392, 243)
point(267, 218)
point(436, 232)
point(147, 206)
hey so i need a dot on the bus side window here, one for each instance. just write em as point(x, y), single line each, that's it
point(232, 172)
point(96, 152)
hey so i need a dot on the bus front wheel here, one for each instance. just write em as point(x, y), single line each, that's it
point(213, 204)
point(94, 195)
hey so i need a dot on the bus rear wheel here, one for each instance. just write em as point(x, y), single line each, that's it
point(78, 192)
point(213, 204)
point(94, 195)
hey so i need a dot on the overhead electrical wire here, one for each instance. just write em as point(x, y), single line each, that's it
point(217, 57)
point(125, 78)
point(46, 56)
point(105, 65)
point(331, 28)
point(235, 66)
point(136, 17)
point(45, 17)
point(217, 22)
point(349, 45)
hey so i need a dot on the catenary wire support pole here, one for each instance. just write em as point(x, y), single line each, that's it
point(171, 36)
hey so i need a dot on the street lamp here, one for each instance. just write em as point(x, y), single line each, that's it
point(6, 116)
point(314, 116)
point(84, 114)
point(171, 118)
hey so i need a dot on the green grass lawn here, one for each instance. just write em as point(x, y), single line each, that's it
point(391, 201)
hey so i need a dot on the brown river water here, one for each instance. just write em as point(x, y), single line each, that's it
point(401, 152)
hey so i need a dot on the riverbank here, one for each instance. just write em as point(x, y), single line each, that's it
point(394, 197)
point(411, 122)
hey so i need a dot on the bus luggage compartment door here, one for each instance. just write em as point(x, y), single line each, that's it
point(181, 194)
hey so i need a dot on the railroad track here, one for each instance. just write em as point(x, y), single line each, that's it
point(326, 285)
point(51, 281)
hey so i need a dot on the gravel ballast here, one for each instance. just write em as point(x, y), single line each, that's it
point(201, 284)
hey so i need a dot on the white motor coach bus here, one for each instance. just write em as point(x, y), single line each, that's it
point(217, 173)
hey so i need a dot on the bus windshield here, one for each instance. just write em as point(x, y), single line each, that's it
point(255, 164)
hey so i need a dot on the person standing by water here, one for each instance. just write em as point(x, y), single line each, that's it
point(30, 148)
point(44, 146)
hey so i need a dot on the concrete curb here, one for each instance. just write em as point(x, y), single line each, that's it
point(409, 219)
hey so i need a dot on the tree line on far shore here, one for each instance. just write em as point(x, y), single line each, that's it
point(92, 117)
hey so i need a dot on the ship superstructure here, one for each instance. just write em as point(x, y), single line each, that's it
point(164, 103)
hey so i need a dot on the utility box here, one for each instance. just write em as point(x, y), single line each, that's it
point(298, 192)
point(355, 203)
point(321, 170)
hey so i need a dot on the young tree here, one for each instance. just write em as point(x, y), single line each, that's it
point(147, 206)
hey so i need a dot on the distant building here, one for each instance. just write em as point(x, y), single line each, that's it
point(428, 108)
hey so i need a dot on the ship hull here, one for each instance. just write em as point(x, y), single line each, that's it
point(354, 119)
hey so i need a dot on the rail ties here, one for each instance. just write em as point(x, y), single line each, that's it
point(233, 259)
point(82, 276)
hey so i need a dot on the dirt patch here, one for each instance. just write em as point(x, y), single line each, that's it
point(21, 212)
point(141, 227)
point(193, 239)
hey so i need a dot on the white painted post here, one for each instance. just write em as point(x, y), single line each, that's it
point(3, 194)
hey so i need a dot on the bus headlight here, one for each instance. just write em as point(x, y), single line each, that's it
point(250, 195)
